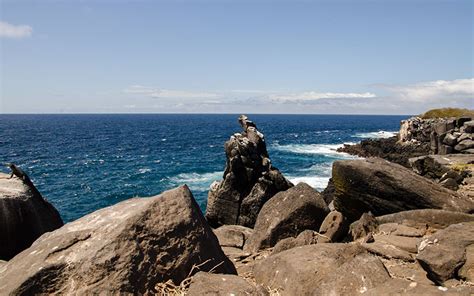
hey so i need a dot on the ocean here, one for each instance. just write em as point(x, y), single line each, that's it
point(82, 163)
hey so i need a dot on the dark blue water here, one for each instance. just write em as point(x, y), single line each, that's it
point(82, 163)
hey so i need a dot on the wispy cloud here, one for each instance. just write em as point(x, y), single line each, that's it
point(311, 96)
point(434, 90)
point(14, 31)
point(168, 93)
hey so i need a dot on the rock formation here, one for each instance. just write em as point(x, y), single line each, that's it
point(24, 215)
point(126, 248)
point(249, 181)
point(286, 215)
point(381, 187)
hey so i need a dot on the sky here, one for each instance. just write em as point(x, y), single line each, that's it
point(261, 56)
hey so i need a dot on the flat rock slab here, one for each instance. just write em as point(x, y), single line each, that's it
point(408, 244)
point(421, 219)
point(444, 253)
point(382, 187)
point(286, 215)
point(400, 230)
point(388, 251)
point(407, 270)
point(125, 248)
point(207, 284)
point(321, 269)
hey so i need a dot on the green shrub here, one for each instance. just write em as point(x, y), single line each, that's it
point(447, 112)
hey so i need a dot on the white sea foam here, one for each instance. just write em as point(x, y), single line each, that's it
point(375, 135)
point(317, 182)
point(197, 181)
point(321, 149)
point(144, 170)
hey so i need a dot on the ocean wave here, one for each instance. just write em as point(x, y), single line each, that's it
point(321, 149)
point(317, 182)
point(375, 135)
point(196, 181)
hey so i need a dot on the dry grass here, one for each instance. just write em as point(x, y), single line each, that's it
point(447, 112)
point(463, 167)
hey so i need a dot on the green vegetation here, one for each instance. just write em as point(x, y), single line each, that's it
point(447, 112)
point(462, 167)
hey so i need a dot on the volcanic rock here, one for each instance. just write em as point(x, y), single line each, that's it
point(24, 215)
point(126, 248)
point(233, 235)
point(381, 187)
point(286, 215)
point(204, 283)
point(334, 227)
point(249, 181)
point(426, 218)
point(321, 269)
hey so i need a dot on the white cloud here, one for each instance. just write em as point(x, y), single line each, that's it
point(435, 90)
point(14, 31)
point(169, 94)
point(314, 96)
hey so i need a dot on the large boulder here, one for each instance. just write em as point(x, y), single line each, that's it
point(286, 215)
point(24, 215)
point(334, 227)
point(321, 269)
point(249, 181)
point(382, 187)
point(444, 253)
point(125, 248)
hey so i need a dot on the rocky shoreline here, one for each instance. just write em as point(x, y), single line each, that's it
point(398, 222)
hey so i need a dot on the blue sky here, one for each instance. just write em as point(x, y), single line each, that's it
point(357, 57)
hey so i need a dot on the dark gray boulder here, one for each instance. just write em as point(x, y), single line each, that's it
point(382, 187)
point(126, 248)
point(24, 215)
point(321, 269)
point(444, 253)
point(286, 215)
point(249, 181)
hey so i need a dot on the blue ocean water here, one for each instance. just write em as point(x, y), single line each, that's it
point(81, 163)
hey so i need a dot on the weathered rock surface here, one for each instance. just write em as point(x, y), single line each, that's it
point(125, 248)
point(401, 230)
point(204, 283)
point(286, 215)
point(233, 235)
point(334, 227)
point(396, 286)
point(24, 216)
point(467, 270)
point(321, 269)
point(307, 237)
point(381, 187)
point(367, 224)
point(249, 181)
point(444, 253)
point(426, 218)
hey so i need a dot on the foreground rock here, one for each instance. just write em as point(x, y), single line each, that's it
point(249, 181)
point(125, 248)
point(24, 216)
point(286, 215)
point(218, 284)
point(321, 269)
point(444, 253)
point(381, 187)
